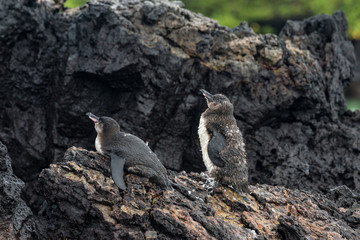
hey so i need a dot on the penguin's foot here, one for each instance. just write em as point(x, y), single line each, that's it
point(209, 182)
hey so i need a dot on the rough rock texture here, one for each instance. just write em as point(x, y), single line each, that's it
point(352, 91)
point(14, 213)
point(80, 201)
point(143, 62)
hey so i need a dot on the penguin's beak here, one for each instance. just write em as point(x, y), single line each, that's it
point(94, 118)
point(207, 95)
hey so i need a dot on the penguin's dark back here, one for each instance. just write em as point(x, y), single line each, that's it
point(134, 150)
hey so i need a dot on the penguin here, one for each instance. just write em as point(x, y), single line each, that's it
point(127, 152)
point(222, 144)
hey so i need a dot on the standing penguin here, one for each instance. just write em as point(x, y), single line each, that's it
point(222, 144)
point(129, 151)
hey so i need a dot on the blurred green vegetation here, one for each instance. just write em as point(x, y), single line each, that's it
point(269, 16)
point(353, 104)
point(74, 3)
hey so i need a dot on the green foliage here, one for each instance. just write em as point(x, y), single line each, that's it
point(353, 104)
point(74, 3)
point(231, 12)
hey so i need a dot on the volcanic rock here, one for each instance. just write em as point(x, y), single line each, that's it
point(143, 62)
point(15, 215)
point(81, 201)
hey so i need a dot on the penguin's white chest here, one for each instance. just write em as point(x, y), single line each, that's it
point(98, 146)
point(204, 141)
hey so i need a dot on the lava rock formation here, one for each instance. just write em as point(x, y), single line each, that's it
point(143, 62)
point(79, 200)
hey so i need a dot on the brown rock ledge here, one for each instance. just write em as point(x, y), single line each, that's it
point(81, 201)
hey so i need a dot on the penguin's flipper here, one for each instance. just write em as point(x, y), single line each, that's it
point(216, 144)
point(117, 170)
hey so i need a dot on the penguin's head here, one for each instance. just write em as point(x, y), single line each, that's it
point(218, 102)
point(104, 125)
